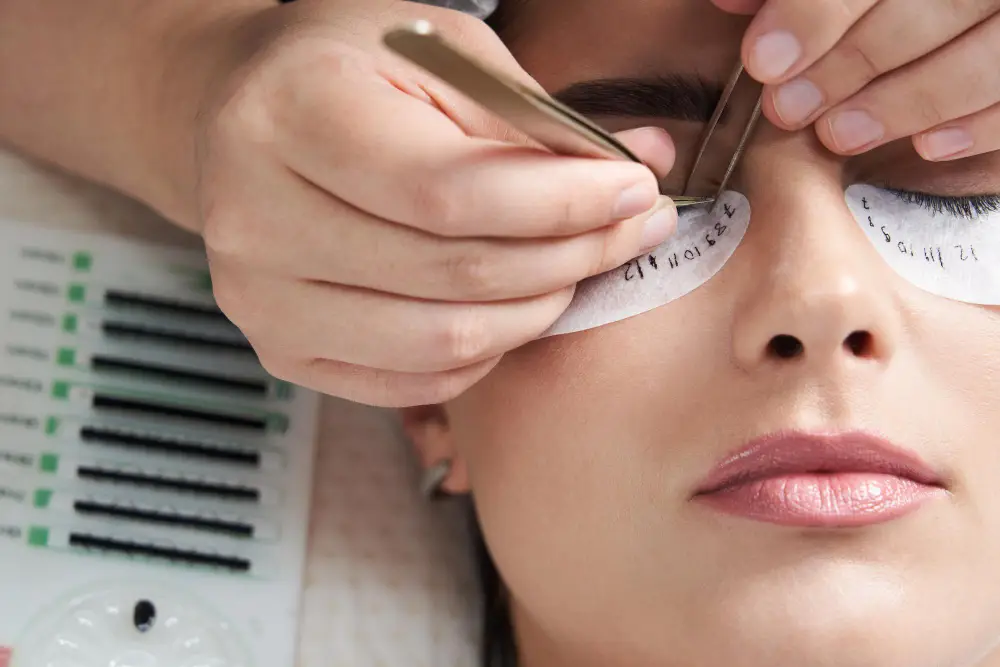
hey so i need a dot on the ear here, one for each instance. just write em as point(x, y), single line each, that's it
point(428, 429)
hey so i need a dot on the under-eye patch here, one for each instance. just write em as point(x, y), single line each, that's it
point(707, 236)
point(946, 246)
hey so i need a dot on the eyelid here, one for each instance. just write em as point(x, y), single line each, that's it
point(970, 207)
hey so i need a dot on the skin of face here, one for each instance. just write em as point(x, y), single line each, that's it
point(582, 451)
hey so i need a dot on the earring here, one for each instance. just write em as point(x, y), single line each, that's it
point(433, 478)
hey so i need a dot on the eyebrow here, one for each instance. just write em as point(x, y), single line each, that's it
point(675, 97)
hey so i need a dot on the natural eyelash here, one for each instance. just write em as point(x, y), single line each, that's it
point(970, 207)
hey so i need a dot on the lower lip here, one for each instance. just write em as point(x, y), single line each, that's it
point(835, 500)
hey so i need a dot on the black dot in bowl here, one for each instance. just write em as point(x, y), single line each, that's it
point(143, 615)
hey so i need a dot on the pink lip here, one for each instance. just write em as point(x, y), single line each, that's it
point(828, 481)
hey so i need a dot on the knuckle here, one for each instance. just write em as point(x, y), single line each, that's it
point(610, 252)
point(464, 338)
point(243, 310)
point(859, 57)
point(230, 301)
point(576, 212)
point(278, 366)
point(927, 106)
point(225, 231)
point(245, 114)
point(473, 273)
point(436, 205)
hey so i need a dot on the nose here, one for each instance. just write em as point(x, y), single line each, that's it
point(814, 292)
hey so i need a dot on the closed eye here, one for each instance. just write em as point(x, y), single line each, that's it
point(971, 207)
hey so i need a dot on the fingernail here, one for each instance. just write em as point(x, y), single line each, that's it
point(946, 143)
point(774, 54)
point(797, 100)
point(853, 130)
point(660, 226)
point(636, 200)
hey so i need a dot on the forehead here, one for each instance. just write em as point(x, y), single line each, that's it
point(562, 41)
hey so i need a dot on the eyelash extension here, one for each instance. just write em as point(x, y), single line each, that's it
point(970, 207)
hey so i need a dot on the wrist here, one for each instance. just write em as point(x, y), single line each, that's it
point(197, 60)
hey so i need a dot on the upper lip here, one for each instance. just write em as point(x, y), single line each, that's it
point(801, 453)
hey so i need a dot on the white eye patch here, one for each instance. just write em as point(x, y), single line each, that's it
point(950, 251)
point(705, 240)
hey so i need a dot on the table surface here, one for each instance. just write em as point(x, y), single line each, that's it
point(388, 578)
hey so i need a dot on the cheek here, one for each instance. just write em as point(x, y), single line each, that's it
point(539, 434)
point(573, 450)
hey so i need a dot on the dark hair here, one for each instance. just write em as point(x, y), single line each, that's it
point(499, 647)
point(503, 19)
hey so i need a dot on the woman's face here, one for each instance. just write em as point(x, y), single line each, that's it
point(585, 452)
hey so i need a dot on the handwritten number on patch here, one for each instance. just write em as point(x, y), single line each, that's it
point(634, 270)
point(930, 257)
point(964, 257)
point(630, 275)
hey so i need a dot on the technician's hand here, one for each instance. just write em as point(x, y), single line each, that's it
point(872, 71)
point(380, 239)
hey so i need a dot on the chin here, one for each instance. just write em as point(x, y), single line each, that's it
point(850, 615)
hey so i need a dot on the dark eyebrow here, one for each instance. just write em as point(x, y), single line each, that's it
point(675, 97)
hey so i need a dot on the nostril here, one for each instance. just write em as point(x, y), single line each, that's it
point(861, 344)
point(784, 346)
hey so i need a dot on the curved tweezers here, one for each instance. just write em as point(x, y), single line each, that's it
point(552, 124)
point(713, 125)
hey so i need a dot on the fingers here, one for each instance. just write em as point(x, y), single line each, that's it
point(318, 237)
point(788, 36)
point(425, 172)
point(920, 97)
point(378, 238)
point(360, 327)
point(842, 61)
point(652, 145)
point(868, 72)
point(965, 137)
point(381, 388)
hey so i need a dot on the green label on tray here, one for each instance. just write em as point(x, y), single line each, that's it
point(77, 293)
point(82, 261)
point(48, 463)
point(42, 498)
point(66, 356)
point(38, 536)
